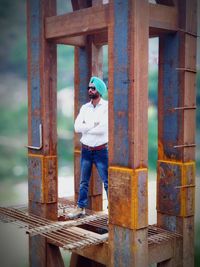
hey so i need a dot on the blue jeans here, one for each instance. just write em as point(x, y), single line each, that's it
point(88, 157)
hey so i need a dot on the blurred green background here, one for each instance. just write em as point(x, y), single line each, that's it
point(13, 110)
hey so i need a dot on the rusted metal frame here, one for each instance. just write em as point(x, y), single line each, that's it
point(128, 31)
point(162, 18)
point(61, 236)
point(185, 145)
point(37, 50)
point(185, 67)
point(98, 253)
point(74, 238)
point(99, 39)
point(162, 249)
point(185, 108)
point(160, 252)
point(194, 34)
point(79, 41)
point(71, 239)
point(171, 88)
point(40, 143)
point(83, 21)
point(172, 199)
point(25, 219)
point(42, 110)
point(90, 220)
point(168, 130)
point(41, 84)
point(129, 147)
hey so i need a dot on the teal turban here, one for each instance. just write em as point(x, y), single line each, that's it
point(100, 85)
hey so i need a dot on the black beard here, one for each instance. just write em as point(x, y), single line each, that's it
point(94, 96)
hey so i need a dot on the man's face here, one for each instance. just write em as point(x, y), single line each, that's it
point(92, 92)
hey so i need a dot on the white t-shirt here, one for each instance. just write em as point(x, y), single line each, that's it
point(92, 122)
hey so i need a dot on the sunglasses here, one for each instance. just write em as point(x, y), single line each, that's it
point(92, 88)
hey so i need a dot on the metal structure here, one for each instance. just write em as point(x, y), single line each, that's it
point(126, 27)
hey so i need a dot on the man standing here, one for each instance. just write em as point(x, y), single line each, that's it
point(92, 123)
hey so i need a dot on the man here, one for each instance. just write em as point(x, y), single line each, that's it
point(92, 123)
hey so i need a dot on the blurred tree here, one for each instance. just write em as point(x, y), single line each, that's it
point(13, 36)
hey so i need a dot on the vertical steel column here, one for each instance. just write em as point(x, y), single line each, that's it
point(42, 134)
point(176, 133)
point(128, 35)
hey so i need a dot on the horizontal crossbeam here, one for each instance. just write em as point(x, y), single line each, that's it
point(80, 22)
point(64, 28)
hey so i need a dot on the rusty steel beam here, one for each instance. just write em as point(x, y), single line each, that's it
point(42, 186)
point(83, 21)
point(162, 19)
point(79, 41)
point(128, 35)
point(176, 132)
point(94, 19)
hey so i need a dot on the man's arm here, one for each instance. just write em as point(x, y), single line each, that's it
point(80, 124)
point(100, 127)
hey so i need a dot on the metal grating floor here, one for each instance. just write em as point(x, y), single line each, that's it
point(91, 229)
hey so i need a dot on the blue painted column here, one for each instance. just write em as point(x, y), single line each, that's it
point(42, 129)
point(128, 35)
point(176, 132)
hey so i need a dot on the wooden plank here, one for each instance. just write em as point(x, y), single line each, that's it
point(82, 21)
point(93, 19)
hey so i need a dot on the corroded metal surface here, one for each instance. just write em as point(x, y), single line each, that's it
point(176, 185)
point(63, 232)
point(42, 180)
point(128, 188)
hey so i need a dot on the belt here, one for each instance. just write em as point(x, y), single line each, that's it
point(95, 147)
